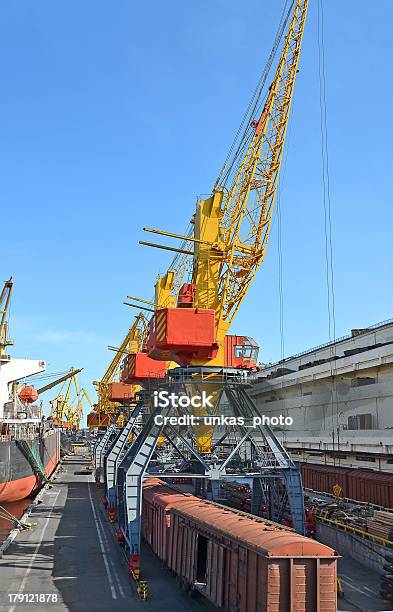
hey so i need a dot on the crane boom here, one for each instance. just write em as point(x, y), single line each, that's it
point(247, 207)
point(52, 384)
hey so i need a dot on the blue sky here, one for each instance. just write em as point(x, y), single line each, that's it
point(115, 116)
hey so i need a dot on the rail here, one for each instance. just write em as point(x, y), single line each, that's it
point(354, 531)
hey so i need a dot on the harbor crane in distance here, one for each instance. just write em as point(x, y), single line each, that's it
point(74, 410)
point(112, 392)
point(67, 411)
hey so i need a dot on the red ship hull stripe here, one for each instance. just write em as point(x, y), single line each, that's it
point(14, 490)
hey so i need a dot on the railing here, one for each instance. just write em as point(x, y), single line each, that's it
point(214, 375)
point(23, 435)
point(325, 345)
point(16, 432)
point(355, 531)
point(196, 374)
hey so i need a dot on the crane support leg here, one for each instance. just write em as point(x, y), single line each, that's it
point(113, 457)
point(294, 486)
point(134, 466)
point(100, 450)
point(279, 479)
point(257, 496)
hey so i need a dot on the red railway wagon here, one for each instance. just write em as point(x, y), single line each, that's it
point(239, 562)
point(359, 484)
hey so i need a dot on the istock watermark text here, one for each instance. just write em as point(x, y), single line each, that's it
point(163, 399)
point(223, 420)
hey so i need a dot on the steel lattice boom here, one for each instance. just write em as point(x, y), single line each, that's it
point(247, 207)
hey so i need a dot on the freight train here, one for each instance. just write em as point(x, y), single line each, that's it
point(361, 485)
point(241, 563)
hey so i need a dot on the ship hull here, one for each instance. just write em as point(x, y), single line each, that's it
point(17, 479)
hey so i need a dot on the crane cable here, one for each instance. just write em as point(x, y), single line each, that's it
point(281, 301)
point(285, 409)
point(326, 175)
point(327, 222)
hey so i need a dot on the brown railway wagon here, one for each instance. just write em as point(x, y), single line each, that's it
point(323, 478)
point(373, 487)
point(362, 485)
point(239, 562)
point(156, 509)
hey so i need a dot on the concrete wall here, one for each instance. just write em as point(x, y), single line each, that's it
point(321, 399)
point(365, 552)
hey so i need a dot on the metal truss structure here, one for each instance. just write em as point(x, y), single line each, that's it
point(239, 452)
point(115, 453)
point(100, 449)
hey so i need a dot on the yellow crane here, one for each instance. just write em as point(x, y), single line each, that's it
point(232, 226)
point(73, 413)
point(67, 406)
point(106, 409)
point(59, 405)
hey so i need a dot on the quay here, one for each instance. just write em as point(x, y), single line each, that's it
point(71, 558)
